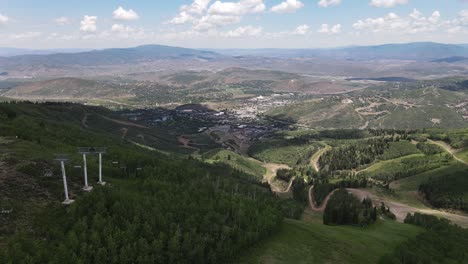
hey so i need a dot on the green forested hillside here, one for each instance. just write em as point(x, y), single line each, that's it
point(161, 205)
point(173, 210)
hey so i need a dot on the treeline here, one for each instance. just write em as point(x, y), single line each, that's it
point(285, 174)
point(300, 191)
point(457, 138)
point(354, 155)
point(429, 149)
point(343, 134)
point(447, 191)
point(344, 208)
point(323, 188)
point(409, 167)
point(427, 246)
point(404, 134)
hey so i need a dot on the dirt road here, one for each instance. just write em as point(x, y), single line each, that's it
point(270, 175)
point(126, 123)
point(314, 161)
point(399, 209)
point(449, 149)
point(313, 204)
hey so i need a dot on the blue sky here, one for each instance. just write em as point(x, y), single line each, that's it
point(229, 23)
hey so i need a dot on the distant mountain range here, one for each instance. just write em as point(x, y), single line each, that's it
point(422, 51)
point(10, 52)
point(135, 55)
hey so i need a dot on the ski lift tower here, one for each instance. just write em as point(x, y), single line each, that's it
point(62, 158)
point(100, 151)
point(85, 151)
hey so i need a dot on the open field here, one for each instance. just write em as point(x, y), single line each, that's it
point(309, 241)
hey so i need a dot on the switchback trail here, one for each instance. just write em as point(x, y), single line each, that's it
point(314, 161)
point(313, 204)
point(399, 209)
point(271, 169)
point(449, 149)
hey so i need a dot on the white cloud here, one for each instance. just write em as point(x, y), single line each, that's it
point(288, 6)
point(119, 28)
point(88, 24)
point(3, 19)
point(327, 3)
point(204, 16)
point(459, 24)
point(327, 29)
point(214, 21)
point(187, 12)
point(247, 31)
point(301, 30)
point(416, 22)
point(26, 35)
point(236, 8)
point(127, 15)
point(62, 21)
point(388, 3)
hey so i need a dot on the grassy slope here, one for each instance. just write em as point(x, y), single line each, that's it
point(411, 184)
point(329, 113)
point(309, 241)
point(284, 155)
point(386, 164)
point(236, 161)
point(463, 155)
point(399, 149)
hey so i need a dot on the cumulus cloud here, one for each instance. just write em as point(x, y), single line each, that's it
point(3, 19)
point(236, 8)
point(327, 3)
point(62, 21)
point(247, 31)
point(119, 28)
point(416, 22)
point(459, 24)
point(328, 29)
point(288, 6)
point(301, 30)
point(388, 3)
point(187, 12)
point(88, 24)
point(214, 21)
point(127, 15)
point(204, 16)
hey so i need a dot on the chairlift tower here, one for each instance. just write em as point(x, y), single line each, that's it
point(100, 151)
point(62, 159)
point(85, 151)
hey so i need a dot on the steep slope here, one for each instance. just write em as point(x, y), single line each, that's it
point(153, 209)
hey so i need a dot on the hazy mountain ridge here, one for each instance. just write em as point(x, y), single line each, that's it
point(10, 52)
point(110, 56)
point(421, 51)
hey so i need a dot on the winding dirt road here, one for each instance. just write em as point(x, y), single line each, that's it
point(270, 175)
point(399, 209)
point(314, 161)
point(449, 149)
point(313, 204)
